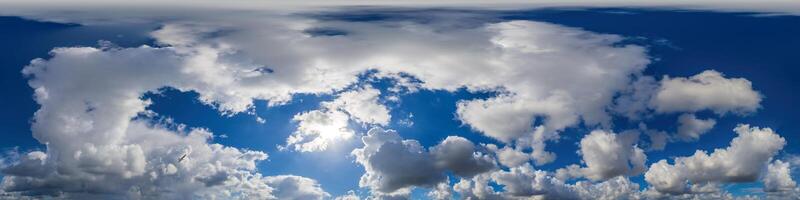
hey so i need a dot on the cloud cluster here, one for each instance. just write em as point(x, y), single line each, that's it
point(743, 161)
point(101, 142)
point(91, 97)
point(708, 90)
point(524, 182)
point(747, 159)
point(155, 163)
point(93, 120)
point(351, 195)
point(362, 105)
point(98, 145)
point(394, 165)
point(530, 63)
point(319, 129)
point(544, 95)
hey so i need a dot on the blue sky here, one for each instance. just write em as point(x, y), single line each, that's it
point(677, 43)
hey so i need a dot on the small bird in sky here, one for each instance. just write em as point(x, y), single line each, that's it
point(182, 157)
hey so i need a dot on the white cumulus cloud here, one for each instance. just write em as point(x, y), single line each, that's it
point(778, 177)
point(394, 165)
point(609, 155)
point(690, 128)
point(742, 161)
point(708, 90)
point(319, 129)
point(296, 188)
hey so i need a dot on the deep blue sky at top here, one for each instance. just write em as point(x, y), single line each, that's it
point(762, 49)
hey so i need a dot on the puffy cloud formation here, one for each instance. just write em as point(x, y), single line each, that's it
point(707, 90)
point(531, 63)
point(88, 120)
point(394, 165)
point(778, 177)
point(442, 191)
point(97, 145)
point(319, 129)
point(742, 161)
point(508, 156)
point(658, 139)
point(614, 188)
point(459, 156)
point(231, 61)
point(351, 195)
point(523, 182)
point(609, 155)
point(539, 101)
point(295, 188)
point(520, 54)
point(168, 165)
point(633, 101)
point(362, 105)
point(548, 77)
point(690, 128)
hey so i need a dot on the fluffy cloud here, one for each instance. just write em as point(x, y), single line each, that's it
point(658, 139)
point(634, 99)
point(95, 143)
point(442, 191)
point(523, 182)
point(508, 156)
point(707, 90)
point(614, 188)
point(98, 144)
point(742, 161)
point(87, 120)
point(542, 99)
point(351, 195)
point(295, 188)
point(460, 156)
point(609, 155)
point(778, 177)
point(690, 128)
point(778, 182)
point(319, 129)
point(362, 105)
point(394, 165)
point(167, 165)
